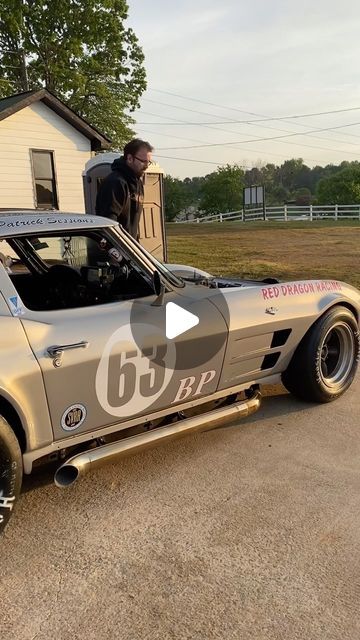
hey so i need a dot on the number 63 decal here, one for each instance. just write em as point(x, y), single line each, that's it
point(129, 381)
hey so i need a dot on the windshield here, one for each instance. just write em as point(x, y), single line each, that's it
point(67, 270)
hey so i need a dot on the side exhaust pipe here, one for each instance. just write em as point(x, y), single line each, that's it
point(80, 464)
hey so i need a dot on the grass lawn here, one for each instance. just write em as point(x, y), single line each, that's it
point(287, 250)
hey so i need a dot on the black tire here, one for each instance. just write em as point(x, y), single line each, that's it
point(325, 362)
point(10, 472)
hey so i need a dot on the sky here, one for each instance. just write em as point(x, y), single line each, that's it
point(213, 65)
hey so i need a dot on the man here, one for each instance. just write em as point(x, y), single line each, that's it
point(121, 194)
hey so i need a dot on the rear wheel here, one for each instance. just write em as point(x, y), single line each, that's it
point(10, 472)
point(325, 362)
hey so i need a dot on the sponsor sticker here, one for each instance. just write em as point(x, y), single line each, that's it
point(16, 306)
point(73, 417)
point(300, 289)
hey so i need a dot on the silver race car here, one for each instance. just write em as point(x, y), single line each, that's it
point(105, 350)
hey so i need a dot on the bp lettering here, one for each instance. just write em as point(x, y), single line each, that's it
point(191, 386)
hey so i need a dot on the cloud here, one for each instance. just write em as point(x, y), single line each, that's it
point(276, 58)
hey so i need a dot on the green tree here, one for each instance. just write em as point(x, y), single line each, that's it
point(276, 195)
point(270, 175)
point(222, 190)
point(80, 50)
point(176, 197)
point(302, 197)
point(291, 172)
point(254, 177)
point(193, 188)
point(342, 188)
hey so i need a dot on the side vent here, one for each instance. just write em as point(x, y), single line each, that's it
point(270, 360)
point(280, 338)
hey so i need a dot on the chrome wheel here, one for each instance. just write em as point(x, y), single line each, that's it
point(337, 354)
point(325, 361)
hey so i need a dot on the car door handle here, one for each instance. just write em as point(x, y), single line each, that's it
point(57, 350)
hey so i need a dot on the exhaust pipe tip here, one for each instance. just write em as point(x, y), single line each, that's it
point(66, 475)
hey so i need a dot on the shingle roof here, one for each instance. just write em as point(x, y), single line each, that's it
point(6, 103)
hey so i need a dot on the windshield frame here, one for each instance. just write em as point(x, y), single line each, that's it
point(155, 263)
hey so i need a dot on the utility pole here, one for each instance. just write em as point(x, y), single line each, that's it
point(23, 71)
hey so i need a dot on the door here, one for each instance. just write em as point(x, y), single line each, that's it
point(104, 355)
point(151, 224)
point(110, 371)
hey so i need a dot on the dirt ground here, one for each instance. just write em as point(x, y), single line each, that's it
point(245, 532)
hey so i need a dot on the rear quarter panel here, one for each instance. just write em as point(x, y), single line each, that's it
point(258, 312)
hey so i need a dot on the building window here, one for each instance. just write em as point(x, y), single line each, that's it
point(44, 179)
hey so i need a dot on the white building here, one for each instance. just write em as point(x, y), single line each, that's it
point(44, 147)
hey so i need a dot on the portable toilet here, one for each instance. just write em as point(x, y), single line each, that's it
point(152, 224)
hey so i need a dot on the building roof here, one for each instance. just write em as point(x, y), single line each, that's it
point(12, 104)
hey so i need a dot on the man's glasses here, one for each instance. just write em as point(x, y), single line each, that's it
point(147, 162)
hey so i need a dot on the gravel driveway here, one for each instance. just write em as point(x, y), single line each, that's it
point(245, 532)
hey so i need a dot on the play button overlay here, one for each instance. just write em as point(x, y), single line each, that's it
point(193, 321)
point(178, 320)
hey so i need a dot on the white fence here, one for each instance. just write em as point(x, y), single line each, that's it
point(286, 213)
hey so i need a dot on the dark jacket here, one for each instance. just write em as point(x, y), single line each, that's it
point(121, 197)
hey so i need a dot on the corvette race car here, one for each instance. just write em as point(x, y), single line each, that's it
point(105, 350)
